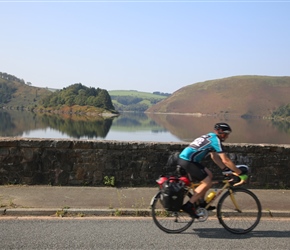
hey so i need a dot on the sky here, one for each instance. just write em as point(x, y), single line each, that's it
point(142, 45)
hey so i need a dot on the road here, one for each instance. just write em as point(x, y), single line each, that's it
point(134, 233)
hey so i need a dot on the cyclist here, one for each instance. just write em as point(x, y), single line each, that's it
point(190, 158)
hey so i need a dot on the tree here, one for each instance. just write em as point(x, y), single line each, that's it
point(6, 92)
point(282, 111)
point(78, 94)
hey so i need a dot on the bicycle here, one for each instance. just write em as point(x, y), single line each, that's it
point(238, 210)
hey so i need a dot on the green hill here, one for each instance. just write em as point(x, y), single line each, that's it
point(15, 93)
point(78, 94)
point(132, 100)
point(239, 95)
point(76, 98)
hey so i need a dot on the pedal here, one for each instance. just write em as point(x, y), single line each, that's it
point(202, 213)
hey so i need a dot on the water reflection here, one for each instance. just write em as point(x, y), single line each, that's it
point(139, 127)
point(17, 123)
point(258, 131)
point(14, 123)
point(283, 126)
point(136, 122)
point(79, 126)
point(6, 125)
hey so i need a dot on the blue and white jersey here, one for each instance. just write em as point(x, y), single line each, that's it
point(201, 147)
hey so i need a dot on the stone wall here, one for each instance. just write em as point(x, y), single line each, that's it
point(118, 163)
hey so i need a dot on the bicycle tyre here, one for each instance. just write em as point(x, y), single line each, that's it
point(169, 221)
point(244, 220)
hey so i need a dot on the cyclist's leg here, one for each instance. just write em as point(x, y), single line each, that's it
point(210, 175)
point(200, 191)
point(190, 207)
point(199, 173)
point(204, 176)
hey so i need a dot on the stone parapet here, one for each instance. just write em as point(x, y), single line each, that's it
point(119, 163)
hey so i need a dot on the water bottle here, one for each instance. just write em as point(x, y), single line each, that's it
point(210, 196)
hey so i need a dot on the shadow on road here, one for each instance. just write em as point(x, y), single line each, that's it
point(221, 233)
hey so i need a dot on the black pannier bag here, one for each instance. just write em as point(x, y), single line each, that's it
point(172, 194)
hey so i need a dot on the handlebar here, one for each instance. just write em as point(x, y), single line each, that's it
point(235, 178)
point(244, 168)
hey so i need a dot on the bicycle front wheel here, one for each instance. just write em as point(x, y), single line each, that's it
point(239, 210)
point(169, 221)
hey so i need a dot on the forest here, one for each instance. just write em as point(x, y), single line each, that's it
point(78, 94)
point(283, 112)
point(6, 89)
point(6, 92)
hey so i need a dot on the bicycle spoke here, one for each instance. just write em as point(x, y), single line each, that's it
point(168, 221)
point(241, 219)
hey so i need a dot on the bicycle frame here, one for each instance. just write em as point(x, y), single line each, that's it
point(227, 185)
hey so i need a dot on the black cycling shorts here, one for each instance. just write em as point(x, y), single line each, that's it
point(195, 169)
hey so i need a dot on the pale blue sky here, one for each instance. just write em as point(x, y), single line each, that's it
point(142, 45)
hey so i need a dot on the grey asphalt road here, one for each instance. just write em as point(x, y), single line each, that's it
point(134, 233)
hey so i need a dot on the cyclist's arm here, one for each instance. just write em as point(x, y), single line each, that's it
point(223, 161)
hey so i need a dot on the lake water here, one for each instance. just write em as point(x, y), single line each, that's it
point(139, 127)
point(164, 136)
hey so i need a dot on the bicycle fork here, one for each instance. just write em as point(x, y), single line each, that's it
point(232, 195)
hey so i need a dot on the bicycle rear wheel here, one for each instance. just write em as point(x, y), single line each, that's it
point(246, 217)
point(169, 221)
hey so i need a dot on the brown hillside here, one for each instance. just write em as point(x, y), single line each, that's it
point(25, 96)
point(239, 95)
